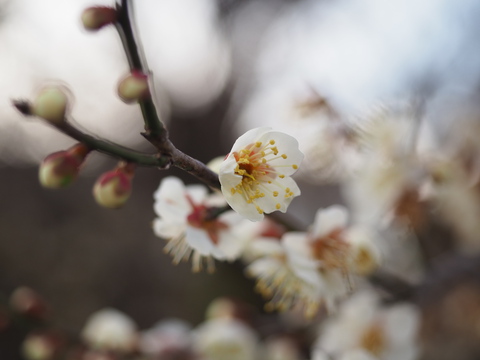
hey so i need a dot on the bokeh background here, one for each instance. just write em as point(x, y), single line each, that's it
point(221, 67)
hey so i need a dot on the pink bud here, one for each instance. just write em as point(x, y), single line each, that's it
point(96, 17)
point(60, 169)
point(133, 87)
point(28, 303)
point(113, 188)
point(51, 104)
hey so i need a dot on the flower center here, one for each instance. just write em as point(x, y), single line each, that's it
point(373, 340)
point(253, 167)
point(203, 217)
point(331, 250)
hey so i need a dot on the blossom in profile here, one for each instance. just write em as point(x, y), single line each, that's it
point(255, 176)
point(367, 330)
point(196, 224)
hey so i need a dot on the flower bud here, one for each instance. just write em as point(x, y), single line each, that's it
point(51, 104)
point(113, 188)
point(41, 346)
point(27, 302)
point(96, 17)
point(59, 169)
point(133, 87)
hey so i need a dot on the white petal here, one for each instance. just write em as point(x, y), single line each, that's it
point(249, 137)
point(287, 145)
point(269, 203)
point(170, 200)
point(168, 229)
point(199, 240)
point(232, 241)
point(263, 247)
point(402, 323)
point(197, 193)
point(263, 266)
point(328, 220)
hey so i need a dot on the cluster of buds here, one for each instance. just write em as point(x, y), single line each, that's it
point(111, 190)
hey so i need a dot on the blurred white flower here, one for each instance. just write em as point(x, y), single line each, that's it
point(168, 338)
point(255, 176)
point(110, 329)
point(307, 269)
point(458, 201)
point(387, 185)
point(188, 219)
point(277, 280)
point(362, 324)
point(225, 339)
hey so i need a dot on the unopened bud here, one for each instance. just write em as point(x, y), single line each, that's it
point(41, 346)
point(133, 87)
point(96, 17)
point(51, 104)
point(27, 302)
point(59, 169)
point(113, 188)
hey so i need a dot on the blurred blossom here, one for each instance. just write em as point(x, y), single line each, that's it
point(110, 329)
point(168, 339)
point(195, 226)
point(306, 270)
point(225, 339)
point(387, 185)
point(387, 333)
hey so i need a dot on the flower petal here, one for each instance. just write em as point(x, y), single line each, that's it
point(328, 220)
point(249, 137)
point(288, 146)
point(170, 200)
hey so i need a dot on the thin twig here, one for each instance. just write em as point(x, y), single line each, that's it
point(137, 61)
point(155, 131)
point(101, 145)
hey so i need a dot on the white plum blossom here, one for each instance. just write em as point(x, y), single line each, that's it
point(110, 329)
point(277, 280)
point(255, 176)
point(387, 185)
point(225, 338)
point(307, 269)
point(188, 219)
point(363, 329)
